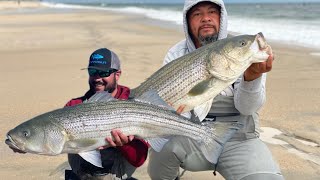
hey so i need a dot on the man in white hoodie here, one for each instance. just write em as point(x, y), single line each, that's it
point(245, 156)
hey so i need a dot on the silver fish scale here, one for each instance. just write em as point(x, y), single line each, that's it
point(184, 73)
point(96, 120)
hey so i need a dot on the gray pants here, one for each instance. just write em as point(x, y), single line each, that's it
point(240, 160)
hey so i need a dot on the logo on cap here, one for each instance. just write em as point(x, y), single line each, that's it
point(97, 56)
point(98, 59)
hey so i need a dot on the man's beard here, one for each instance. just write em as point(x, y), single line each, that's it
point(109, 87)
point(208, 39)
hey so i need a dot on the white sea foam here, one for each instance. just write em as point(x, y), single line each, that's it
point(288, 31)
point(159, 14)
point(163, 14)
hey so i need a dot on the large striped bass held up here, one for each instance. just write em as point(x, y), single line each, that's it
point(84, 127)
point(199, 76)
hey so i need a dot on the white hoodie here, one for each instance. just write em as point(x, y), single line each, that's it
point(248, 96)
point(186, 46)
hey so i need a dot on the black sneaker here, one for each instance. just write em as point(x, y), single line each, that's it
point(131, 178)
point(69, 175)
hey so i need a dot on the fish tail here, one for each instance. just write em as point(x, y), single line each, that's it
point(218, 133)
point(59, 170)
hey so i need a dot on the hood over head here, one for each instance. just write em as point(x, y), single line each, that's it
point(188, 4)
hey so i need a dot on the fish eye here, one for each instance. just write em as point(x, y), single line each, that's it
point(26, 133)
point(243, 43)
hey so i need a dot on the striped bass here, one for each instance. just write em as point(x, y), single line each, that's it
point(196, 78)
point(84, 127)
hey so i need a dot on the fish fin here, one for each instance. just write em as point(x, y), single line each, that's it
point(157, 143)
point(60, 169)
point(202, 110)
point(153, 97)
point(187, 115)
point(93, 157)
point(200, 88)
point(218, 133)
point(103, 96)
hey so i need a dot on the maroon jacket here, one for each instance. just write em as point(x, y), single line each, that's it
point(136, 151)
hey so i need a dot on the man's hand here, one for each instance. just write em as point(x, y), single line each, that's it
point(256, 69)
point(119, 139)
point(180, 109)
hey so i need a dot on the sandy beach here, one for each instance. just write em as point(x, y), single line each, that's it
point(43, 50)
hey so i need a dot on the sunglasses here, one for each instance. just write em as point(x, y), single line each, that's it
point(94, 72)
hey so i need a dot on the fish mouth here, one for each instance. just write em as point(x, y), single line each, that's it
point(12, 144)
point(261, 41)
point(260, 48)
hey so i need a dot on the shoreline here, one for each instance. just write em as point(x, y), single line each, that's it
point(43, 53)
point(12, 5)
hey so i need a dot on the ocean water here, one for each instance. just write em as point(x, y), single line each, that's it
point(291, 23)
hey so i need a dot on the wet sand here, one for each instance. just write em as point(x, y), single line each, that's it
point(42, 51)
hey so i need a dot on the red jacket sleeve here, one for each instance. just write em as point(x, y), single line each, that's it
point(73, 102)
point(136, 151)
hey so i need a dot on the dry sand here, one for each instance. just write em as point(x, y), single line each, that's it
point(42, 51)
